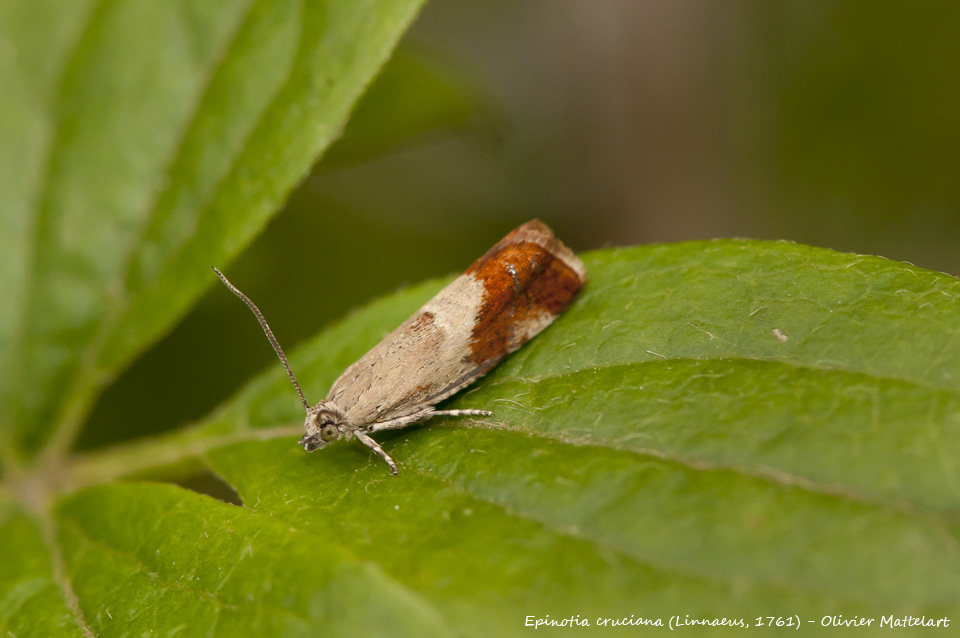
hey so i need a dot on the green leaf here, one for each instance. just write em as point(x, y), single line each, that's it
point(726, 429)
point(141, 144)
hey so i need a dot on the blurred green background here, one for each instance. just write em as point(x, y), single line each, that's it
point(617, 122)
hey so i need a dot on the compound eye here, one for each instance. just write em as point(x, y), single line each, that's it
point(329, 433)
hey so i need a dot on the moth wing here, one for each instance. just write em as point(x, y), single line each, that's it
point(409, 368)
point(503, 300)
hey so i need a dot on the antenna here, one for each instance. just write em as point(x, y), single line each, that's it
point(268, 331)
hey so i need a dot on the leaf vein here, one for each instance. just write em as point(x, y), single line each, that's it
point(49, 533)
point(641, 559)
point(919, 383)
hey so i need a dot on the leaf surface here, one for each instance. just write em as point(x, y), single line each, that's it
point(658, 449)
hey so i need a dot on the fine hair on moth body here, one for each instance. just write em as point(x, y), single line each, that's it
point(510, 294)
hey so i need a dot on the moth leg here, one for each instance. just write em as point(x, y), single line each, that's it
point(462, 413)
point(400, 421)
point(404, 421)
point(373, 445)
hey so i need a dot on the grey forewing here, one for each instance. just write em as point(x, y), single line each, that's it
point(417, 365)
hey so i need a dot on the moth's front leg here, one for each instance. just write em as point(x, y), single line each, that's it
point(373, 445)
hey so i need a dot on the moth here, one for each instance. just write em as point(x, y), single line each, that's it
point(514, 291)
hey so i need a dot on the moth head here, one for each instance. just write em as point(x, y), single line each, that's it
point(323, 425)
